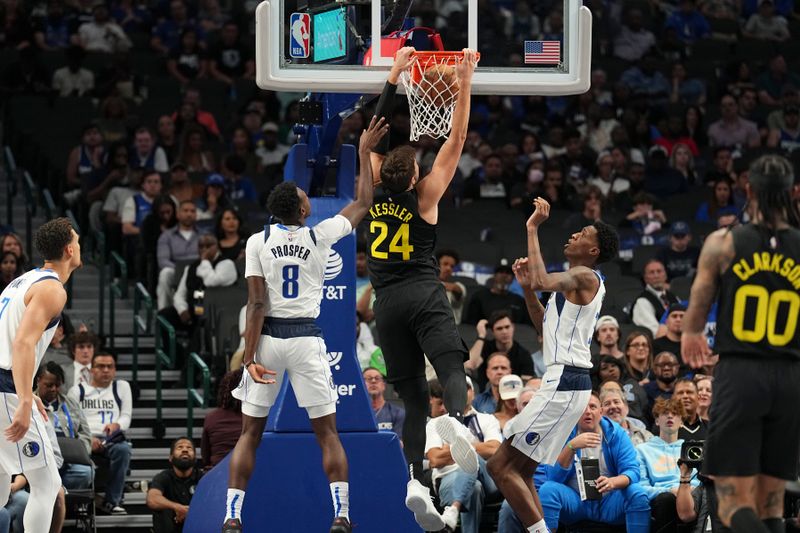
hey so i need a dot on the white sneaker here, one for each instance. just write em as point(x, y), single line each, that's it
point(463, 453)
point(450, 517)
point(418, 501)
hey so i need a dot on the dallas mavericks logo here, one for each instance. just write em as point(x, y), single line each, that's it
point(31, 449)
point(334, 266)
point(532, 438)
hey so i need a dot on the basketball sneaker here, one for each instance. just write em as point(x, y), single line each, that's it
point(418, 501)
point(452, 432)
point(340, 525)
point(450, 517)
point(232, 525)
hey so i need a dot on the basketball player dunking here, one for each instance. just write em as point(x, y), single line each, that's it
point(412, 312)
point(754, 437)
point(285, 270)
point(30, 308)
point(539, 432)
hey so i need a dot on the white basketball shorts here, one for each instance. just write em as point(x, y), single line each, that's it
point(34, 450)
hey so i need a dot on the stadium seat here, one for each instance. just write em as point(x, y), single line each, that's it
point(641, 255)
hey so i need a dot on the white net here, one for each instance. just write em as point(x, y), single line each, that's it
point(431, 88)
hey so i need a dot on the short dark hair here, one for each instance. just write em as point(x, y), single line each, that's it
point(498, 315)
point(607, 241)
point(666, 352)
point(82, 337)
point(397, 169)
point(448, 253)
point(175, 442)
point(284, 203)
point(53, 368)
point(101, 353)
point(52, 237)
point(435, 389)
point(685, 380)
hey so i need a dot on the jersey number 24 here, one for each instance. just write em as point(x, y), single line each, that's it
point(398, 245)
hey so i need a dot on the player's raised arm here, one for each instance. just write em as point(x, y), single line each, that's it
point(535, 307)
point(433, 186)
point(357, 209)
point(578, 278)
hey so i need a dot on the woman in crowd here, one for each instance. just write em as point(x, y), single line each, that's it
point(10, 269)
point(704, 395)
point(10, 242)
point(720, 202)
point(193, 151)
point(682, 160)
point(214, 199)
point(242, 145)
point(231, 234)
point(639, 356)
point(695, 126)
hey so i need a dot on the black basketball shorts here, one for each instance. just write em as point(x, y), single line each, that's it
point(755, 418)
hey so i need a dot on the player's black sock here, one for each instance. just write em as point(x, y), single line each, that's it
point(414, 393)
point(415, 471)
point(450, 371)
point(384, 109)
point(745, 520)
point(775, 525)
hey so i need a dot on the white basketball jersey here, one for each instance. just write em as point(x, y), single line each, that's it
point(292, 261)
point(568, 329)
point(12, 307)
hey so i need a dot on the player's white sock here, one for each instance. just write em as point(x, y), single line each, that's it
point(234, 504)
point(539, 527)
point(340, 493)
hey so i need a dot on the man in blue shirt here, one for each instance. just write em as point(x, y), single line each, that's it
point(389, 417)
point(688, 23)
point(497, 366)
point(238, 187)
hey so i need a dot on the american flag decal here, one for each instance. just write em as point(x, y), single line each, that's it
point(542, 52)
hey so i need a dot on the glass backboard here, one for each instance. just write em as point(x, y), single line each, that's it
point(526, 47)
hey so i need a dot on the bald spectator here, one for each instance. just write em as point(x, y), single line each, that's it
point(497, 366)
point(731, 129)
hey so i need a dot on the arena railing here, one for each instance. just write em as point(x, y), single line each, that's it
point(99, 239)
point(192, 396)
point(11, 183)
point(117, 289)
point(49, 205)
point(166, 358)
point(142, 324)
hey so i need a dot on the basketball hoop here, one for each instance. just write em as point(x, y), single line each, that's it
point(431, 87)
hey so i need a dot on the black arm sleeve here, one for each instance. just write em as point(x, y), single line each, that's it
point(384, 109)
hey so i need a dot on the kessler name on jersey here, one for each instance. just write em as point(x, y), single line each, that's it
point(391, 209)
point(290, 250)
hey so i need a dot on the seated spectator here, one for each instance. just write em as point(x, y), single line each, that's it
point(722, 165)
point(787, 137)
point(661, 478)
point(766, 25)
point(644, 218)
point(675, 134)
point(176, 244)
point(171, 490)
point(10, 269)
point(68, 421)
point(107, 403)
point(72, 79)
point(679, 258)
point(669, 334)
point(721, 9)
point(229, 60)
point(661, 179)
point(646, 82)
point(133, 16)
point(231, 234)
point(655, 298)
point(78, 369)
point(613, 370)
point(167, 34)
point(495, 298)
point(242, 145)
point(497, 366)
point(211, 269)
point(103, 34)
point(578, 159)
point(483, 431)
point(180, 187)
point(187, 61)
point(665, 372)
point(592, 211)
point(140, 204)
point(509, 389)
point(615, 407)
point(790, 98)
point(389, 416)
point(633, 40)
point(623, 501)
point(607, 337)
point(721, 202)
point(522, 193)
point(693, 426)
point(55, 30)
point(85, 159)
point(772, 82)
point(639, 356)
point(194, 153)
point(161, 218)
point(695, 130)
point(113, 186)
point(689, 24)
point(239, 187)
point(731, 129)
point(269, 149)
point(686, 90)
point(222, 427)
point(10, 242)
point(682, 160)
point(606, 179)
point(145, 153)
point(523, 398)
point(214, 198)
point(488, 181)
point(456, 291)
point(168, 139)
point(502, 341)
point(704, 394)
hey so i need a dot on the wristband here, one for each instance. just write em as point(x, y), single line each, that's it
point(682, 482)
point(481, 338)
point(569, 445)
point(248, 364)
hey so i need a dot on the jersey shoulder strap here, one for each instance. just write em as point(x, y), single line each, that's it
point(82, 392)
point(116, 394)
point(313, 236)
point(266, 232)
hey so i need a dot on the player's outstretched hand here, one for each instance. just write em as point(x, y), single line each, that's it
point(466, 67)
point(257, 372)
point(403, 59)
point(520, 269)
point(695, 349)
point(371, 136)
point(20, 423)
point(541, 212)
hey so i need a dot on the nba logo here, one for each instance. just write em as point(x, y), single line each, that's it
point(299, 36)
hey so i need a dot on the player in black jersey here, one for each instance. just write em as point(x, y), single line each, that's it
point(412, 312)
point(754, 436)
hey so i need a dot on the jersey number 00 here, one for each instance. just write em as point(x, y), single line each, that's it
point(770, 307)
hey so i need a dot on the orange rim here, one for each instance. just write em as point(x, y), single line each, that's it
point(426, 59)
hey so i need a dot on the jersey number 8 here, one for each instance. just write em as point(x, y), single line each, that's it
point(768, 307)
point(291, 273)
point(398, 245)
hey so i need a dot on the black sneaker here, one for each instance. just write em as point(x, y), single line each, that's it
point(112, 509)
point(340, 525)
point(234, 525)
